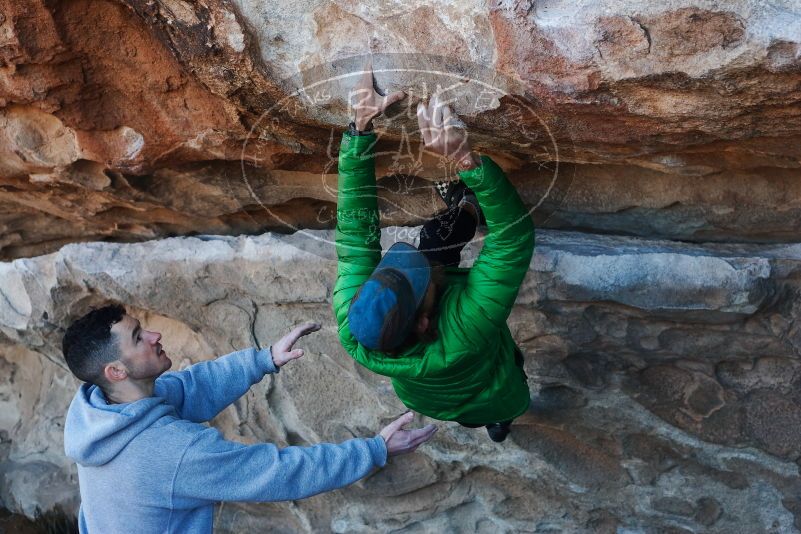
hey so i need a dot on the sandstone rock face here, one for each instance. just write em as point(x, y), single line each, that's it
point(136, 119)
point(664, 380)
point(656, 143)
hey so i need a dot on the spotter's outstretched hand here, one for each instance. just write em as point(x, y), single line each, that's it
point(400, 441)
point(282, 349)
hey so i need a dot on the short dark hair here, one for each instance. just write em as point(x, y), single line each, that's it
point(89, 344)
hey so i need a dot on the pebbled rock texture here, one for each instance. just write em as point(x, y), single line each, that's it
point(664, 382)
point(135, 119)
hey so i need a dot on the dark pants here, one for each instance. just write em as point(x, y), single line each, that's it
point(442, 240)
point(519, 362)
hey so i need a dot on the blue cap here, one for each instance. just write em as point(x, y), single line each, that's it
point(382, 313)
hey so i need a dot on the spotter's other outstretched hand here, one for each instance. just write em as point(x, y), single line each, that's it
point(401, 441)
point(282, 350)
point(367, 102)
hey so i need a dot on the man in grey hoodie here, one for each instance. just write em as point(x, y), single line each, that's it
point(146, 464)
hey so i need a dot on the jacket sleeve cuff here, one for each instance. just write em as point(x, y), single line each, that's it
point(478, 177)
point(378, 450)
point(264, 357)
point(358, 140)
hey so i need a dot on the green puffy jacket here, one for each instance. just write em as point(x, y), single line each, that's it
point(468, 374)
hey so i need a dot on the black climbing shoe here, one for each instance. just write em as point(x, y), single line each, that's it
point(455, 193)
point(498, 431)
point(450, 191)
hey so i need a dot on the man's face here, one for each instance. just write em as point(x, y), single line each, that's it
point(427, 306)
point(425, 311)
point(140, 349)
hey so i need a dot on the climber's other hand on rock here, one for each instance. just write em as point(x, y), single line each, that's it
point(444, 134)
point(366, 102)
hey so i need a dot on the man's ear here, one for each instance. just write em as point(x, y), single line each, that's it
point(115, 372)
point(422, 323)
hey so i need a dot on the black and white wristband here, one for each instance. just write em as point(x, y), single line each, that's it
point(353, 131)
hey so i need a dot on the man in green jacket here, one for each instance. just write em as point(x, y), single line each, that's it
point(441, 338)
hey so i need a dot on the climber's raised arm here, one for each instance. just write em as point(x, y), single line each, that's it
point(358, 230)
point(496, 275)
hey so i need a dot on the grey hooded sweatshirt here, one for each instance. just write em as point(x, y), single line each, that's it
point(150, 466)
